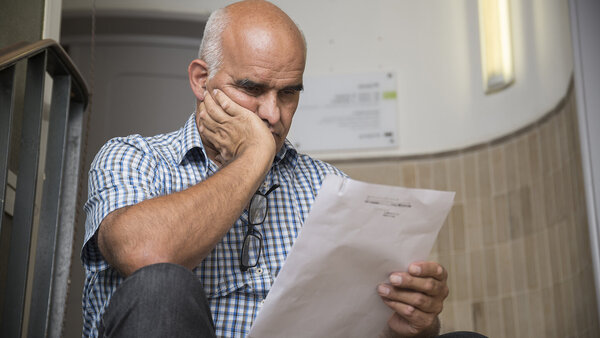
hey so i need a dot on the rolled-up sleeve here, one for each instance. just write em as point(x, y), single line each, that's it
point(123, 173)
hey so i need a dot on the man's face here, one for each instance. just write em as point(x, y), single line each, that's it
point(262, 72)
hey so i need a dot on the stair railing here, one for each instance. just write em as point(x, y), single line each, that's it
point(69, 99)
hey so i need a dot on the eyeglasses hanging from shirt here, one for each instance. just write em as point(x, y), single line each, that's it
point(257, 213)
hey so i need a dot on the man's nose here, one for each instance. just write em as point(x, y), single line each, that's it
point(268, 108)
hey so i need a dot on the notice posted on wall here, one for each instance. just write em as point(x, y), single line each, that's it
point(346, 112)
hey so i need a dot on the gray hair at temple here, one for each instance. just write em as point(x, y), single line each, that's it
point(211, 49)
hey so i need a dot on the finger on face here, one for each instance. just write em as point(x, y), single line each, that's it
point(206, 122)
point(214, 110)
point(229, 107)
point(207, 127)
point(419, 300)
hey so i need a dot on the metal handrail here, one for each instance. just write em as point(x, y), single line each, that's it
point(21, 50)
point(41, 310)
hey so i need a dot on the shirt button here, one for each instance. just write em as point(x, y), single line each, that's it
point(259, 271)
point(262, 302)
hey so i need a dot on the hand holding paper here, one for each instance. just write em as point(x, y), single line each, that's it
point(355, 236)
point(416, 297)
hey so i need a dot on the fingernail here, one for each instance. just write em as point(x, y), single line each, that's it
point(414, 270)
point(396, 279)
point(214, 92)
point(383, 290)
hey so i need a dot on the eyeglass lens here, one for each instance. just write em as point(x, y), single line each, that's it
point(251, 250)
point(258, 209)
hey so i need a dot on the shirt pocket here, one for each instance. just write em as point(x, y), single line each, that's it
point(220, 271)
point(219, 283)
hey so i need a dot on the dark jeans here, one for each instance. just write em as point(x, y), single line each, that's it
point(160, 300)
point(167, 300)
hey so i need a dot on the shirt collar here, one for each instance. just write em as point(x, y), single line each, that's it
point(190, 140)
point(287, 153)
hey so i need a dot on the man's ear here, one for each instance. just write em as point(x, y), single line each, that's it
point(198, 74)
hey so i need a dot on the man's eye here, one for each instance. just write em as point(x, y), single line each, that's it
point(288, 92)
point(254, 91)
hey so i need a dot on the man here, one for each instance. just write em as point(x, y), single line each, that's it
point(168, 215)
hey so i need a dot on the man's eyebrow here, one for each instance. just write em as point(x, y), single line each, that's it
point(246, 83)
point(298, 87)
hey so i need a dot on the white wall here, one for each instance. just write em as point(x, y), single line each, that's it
point(433, 47)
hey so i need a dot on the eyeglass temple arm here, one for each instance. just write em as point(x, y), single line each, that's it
point(273, 187)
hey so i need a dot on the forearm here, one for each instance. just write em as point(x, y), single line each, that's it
point(183, 227)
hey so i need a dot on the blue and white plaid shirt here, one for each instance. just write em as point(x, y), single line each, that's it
point(131, 169)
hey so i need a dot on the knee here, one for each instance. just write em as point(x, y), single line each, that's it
point(162, 275)
point(162, 282)
point(165, 297)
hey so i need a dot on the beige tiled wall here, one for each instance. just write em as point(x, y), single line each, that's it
point(516, 240)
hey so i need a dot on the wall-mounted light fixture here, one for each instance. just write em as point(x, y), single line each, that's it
point(496, 45)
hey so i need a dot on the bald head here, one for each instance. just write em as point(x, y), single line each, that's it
point(255, 24)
